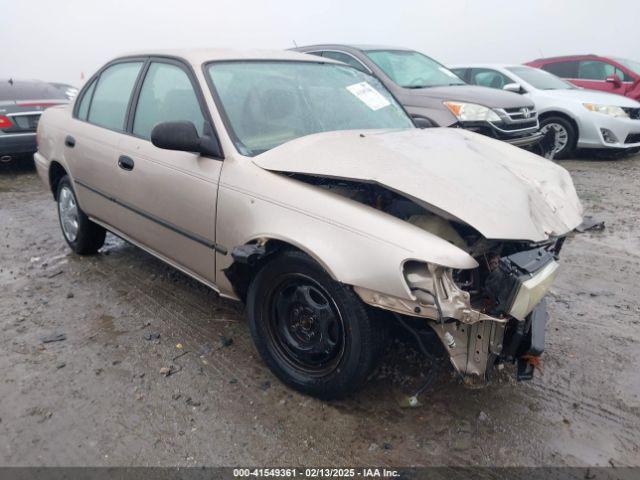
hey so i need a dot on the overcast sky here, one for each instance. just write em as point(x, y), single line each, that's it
point(57, 40)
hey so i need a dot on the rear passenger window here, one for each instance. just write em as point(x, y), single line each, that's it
point(112, 94)
point(562, 69)
point(167, 95)
point(83, 109)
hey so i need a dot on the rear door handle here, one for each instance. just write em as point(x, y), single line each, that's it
point(125, 163)
point(70, 141)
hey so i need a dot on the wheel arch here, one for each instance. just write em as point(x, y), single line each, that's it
point(241, 272)
point(56, 173)
point(564, 115)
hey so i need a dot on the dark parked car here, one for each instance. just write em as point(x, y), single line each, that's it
point(21, 104)
point(435, 96)
point(607, 74)
point(69, 90)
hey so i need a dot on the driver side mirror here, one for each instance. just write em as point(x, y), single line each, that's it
point(184, 137)
point(615, 79)
point(513, 87)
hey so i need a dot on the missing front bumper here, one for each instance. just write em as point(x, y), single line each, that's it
point(477, 348)
point(507, 326)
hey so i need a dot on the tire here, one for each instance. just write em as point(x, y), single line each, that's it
point(314, 333)
point(81, 234)
point(562, 127)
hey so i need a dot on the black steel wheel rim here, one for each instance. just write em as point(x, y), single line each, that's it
point(304, 325)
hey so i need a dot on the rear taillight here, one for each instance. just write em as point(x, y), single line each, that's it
point(5, 122)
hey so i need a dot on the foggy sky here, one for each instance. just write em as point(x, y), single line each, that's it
point(56, 40)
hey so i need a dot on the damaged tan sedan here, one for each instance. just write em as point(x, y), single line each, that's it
point(301, 187)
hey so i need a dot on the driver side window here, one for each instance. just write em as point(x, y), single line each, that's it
point(167, 95)
point(596, 70)
point(486, 77)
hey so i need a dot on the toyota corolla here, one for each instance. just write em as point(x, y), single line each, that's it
point(300, 186)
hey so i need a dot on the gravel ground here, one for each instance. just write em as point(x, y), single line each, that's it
point(96, 397)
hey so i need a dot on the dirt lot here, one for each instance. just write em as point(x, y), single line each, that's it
point(97, 397)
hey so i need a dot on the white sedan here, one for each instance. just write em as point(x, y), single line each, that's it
point(581, 118)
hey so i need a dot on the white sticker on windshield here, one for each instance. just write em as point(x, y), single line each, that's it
point(368, 95)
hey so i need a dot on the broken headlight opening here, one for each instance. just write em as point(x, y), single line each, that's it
point(492, 314)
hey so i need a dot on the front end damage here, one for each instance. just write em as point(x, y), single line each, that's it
point(486, 316)
point(505, 211)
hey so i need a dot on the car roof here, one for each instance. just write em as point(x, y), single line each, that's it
point(203, 55)
point(12, 89)
point(486, 65)
point(569, 57)
point(363, 47)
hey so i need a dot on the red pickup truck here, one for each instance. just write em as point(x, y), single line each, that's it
point(609, 74)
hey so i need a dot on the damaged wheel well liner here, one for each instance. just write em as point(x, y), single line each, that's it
point(250, 257)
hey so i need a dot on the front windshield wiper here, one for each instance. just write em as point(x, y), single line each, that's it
point(431, 86)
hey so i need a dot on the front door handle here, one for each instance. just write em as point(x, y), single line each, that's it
point(125, 163)
point(70, 141)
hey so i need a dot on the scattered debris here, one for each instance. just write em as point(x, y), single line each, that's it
point(55, 274)
point(387, 446)
point(192, 403)
point(182, 354)
point(98, 371)
point(483, 417)
point(233, 381)
point(176, 395)
point(178, 346)
point(265, 385)
point(152, 336)
point(590, 223)
point(170, 370)
point(373, 447)
point(54, 337)
point(70, 295)
point(225, 341)
point(61, 365)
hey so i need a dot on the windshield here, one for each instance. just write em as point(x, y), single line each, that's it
point(411, 69)
point(630, 64)
point(268, 103)
point(540, 79)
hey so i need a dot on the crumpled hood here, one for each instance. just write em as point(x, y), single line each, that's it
point(489, 97)
point(500, 190)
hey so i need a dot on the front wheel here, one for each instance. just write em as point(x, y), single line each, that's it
point(83, 236)
point(314, 333)
point(565, 135)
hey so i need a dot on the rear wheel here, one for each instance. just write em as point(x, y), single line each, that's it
point(566, 135)
point(83, 236)
point(313, 332)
